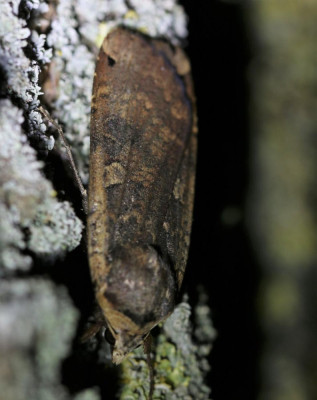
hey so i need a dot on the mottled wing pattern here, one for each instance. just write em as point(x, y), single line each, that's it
point(179, 216)
point(141, 126)
point(142, 159)
point(178, 220)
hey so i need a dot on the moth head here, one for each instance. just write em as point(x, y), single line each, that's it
point(123, 343)
point(138, 293)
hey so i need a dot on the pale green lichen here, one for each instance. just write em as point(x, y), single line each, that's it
point(180, 365)
point(204, 331)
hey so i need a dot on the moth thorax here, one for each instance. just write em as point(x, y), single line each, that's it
point(140, 285)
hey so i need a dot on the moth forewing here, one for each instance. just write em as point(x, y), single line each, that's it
point(142, 161)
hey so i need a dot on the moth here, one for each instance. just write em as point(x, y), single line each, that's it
point(143, 144)
point(141, 183)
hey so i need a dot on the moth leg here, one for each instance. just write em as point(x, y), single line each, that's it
point(70, 157)
point(97, 322)
point(90, 332)
point(147, 344)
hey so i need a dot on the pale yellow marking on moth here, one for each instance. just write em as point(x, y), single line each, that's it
point(142, 175)
point(115, 174)
point(103, 90)
point(148, 105)
point(130, 215)
point(177, 110)
point(167, 95)
point(179, 189)
point(125, 96)
point(115, 139)
point(181, 62)
point(142, 97)
point(166, 226)
point(165, 133)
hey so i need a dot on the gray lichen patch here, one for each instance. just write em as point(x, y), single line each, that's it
point(21, 72)
point(37, 323)
point(13, 35)
point(55, 229)
point(25, 195)
point(20, 170)
point(27, 201)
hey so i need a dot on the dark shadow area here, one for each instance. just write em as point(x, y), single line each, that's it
point(220, 255)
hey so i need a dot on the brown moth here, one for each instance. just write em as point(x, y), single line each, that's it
point(141, 183)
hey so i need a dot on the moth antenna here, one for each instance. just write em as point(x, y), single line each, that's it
point(147, 344)
point(90, 332)
point(83, 191)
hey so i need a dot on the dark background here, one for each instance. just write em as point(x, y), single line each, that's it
point(220, 50)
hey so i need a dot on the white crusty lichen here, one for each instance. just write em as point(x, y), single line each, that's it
point(13, 35)
point(55, 229)
point(180, 361)
point(21, 72)
point(37, 324)
point(163, 18)
point(31, 218)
